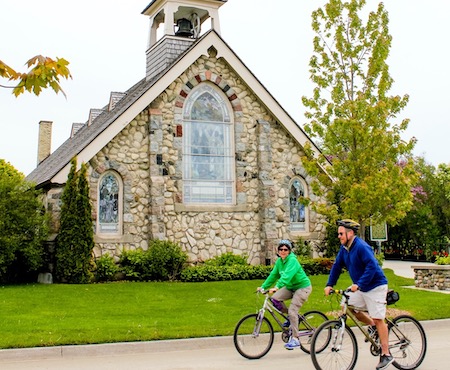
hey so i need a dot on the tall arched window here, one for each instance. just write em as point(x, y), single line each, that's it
point(109, 204)
point(208, 154)
point(297, 210)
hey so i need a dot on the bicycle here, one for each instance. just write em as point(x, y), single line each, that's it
point(254, 334)
point(334, 344)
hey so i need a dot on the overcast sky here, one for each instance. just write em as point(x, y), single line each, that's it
point(105, 42)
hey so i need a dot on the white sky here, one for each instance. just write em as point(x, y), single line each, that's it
point(105, 42)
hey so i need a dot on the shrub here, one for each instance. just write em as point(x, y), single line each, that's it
point(23, 227)
point(167, 260)
point(228, 259)
point(316, 266)
point(105, 268)
point(75, 241)
point(208, 272)
point(442, 260)
point(164, 260)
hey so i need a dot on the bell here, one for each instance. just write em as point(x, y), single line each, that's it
point(184, 28)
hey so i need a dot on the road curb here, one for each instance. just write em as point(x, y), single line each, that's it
point(114, 348)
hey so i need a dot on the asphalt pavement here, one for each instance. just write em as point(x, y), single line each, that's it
point(217, 353)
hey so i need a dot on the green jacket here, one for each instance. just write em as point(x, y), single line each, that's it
point(289, 273)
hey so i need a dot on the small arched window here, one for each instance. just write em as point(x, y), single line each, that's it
point(297, 208)
point(208, 154)
point(109, 204)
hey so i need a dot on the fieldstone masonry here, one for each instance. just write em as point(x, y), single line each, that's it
point(432, 277)
point(147, 155)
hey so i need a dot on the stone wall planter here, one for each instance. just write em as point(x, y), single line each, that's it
point(432, 277)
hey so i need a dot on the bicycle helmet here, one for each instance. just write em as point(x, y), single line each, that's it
point(286, 243)
point(349, 224)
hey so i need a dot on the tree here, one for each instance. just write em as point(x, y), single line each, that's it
point(75, 240)
point(45, 72)
point(85, 230)
point(23, 227)
point(425, 229)
point(349, 115)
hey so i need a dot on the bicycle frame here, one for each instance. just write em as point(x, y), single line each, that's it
point(347, 312)
point(268, 306)
point(334, 342)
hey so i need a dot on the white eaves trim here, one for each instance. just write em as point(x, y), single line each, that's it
point(201, 48)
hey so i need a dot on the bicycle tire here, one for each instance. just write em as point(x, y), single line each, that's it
point(407, 342)
point(328, 352)
point(314, 320)
point(251, 344)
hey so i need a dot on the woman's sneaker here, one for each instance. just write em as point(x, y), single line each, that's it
point(293, 343)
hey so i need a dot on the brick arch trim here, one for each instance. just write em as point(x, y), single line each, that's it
point(216, 80)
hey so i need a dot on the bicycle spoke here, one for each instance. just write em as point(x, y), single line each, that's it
point(407, 342)
point(334, 347)
point(253, 338)
point(307, 326)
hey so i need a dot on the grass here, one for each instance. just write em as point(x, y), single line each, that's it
point(50, 315)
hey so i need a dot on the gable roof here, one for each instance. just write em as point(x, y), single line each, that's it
point(90, 138)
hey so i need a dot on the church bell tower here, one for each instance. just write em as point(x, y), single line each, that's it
point(174, 26)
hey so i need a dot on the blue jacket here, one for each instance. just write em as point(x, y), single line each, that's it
point(361, 264)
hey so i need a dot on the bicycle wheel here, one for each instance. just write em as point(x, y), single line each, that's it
point(253, 338)
point(334, 347)
point(407, 342)
point(307, 328)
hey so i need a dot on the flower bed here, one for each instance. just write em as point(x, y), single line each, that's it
point(432, 277)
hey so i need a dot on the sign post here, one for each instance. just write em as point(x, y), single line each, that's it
point(378, 233)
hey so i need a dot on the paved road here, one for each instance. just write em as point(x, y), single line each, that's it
point(201, 354)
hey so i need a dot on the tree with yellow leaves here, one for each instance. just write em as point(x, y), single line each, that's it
point(44, 72)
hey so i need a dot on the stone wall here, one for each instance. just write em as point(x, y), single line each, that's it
point(147, 155)
point(432, 277)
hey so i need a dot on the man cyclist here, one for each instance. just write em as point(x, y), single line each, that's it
point(291, 282)
point(369, 288)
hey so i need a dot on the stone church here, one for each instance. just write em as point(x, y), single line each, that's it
point(198, 152)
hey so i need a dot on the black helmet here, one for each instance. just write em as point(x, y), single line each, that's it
point(349, 224)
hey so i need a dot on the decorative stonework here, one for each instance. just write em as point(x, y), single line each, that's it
point(147, 154)
point(432, 277)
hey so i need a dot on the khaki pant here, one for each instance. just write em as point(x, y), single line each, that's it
point(298, 298)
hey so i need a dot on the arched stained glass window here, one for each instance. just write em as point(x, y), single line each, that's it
point(208, 155)
point(297, 210)
point(109, 204)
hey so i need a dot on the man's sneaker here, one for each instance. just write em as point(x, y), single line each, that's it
point(286, 324)
point(385, 361)
point(372, 330)
point(293, 343)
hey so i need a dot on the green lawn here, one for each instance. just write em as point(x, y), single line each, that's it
point(49, 315)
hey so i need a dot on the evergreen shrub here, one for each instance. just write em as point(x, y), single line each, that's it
point(164, 260)
point(105, 268)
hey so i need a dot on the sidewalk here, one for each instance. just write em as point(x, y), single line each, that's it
point(403, 268)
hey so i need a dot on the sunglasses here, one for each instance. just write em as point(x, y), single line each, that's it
point(283, 249)
point(340, 234)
